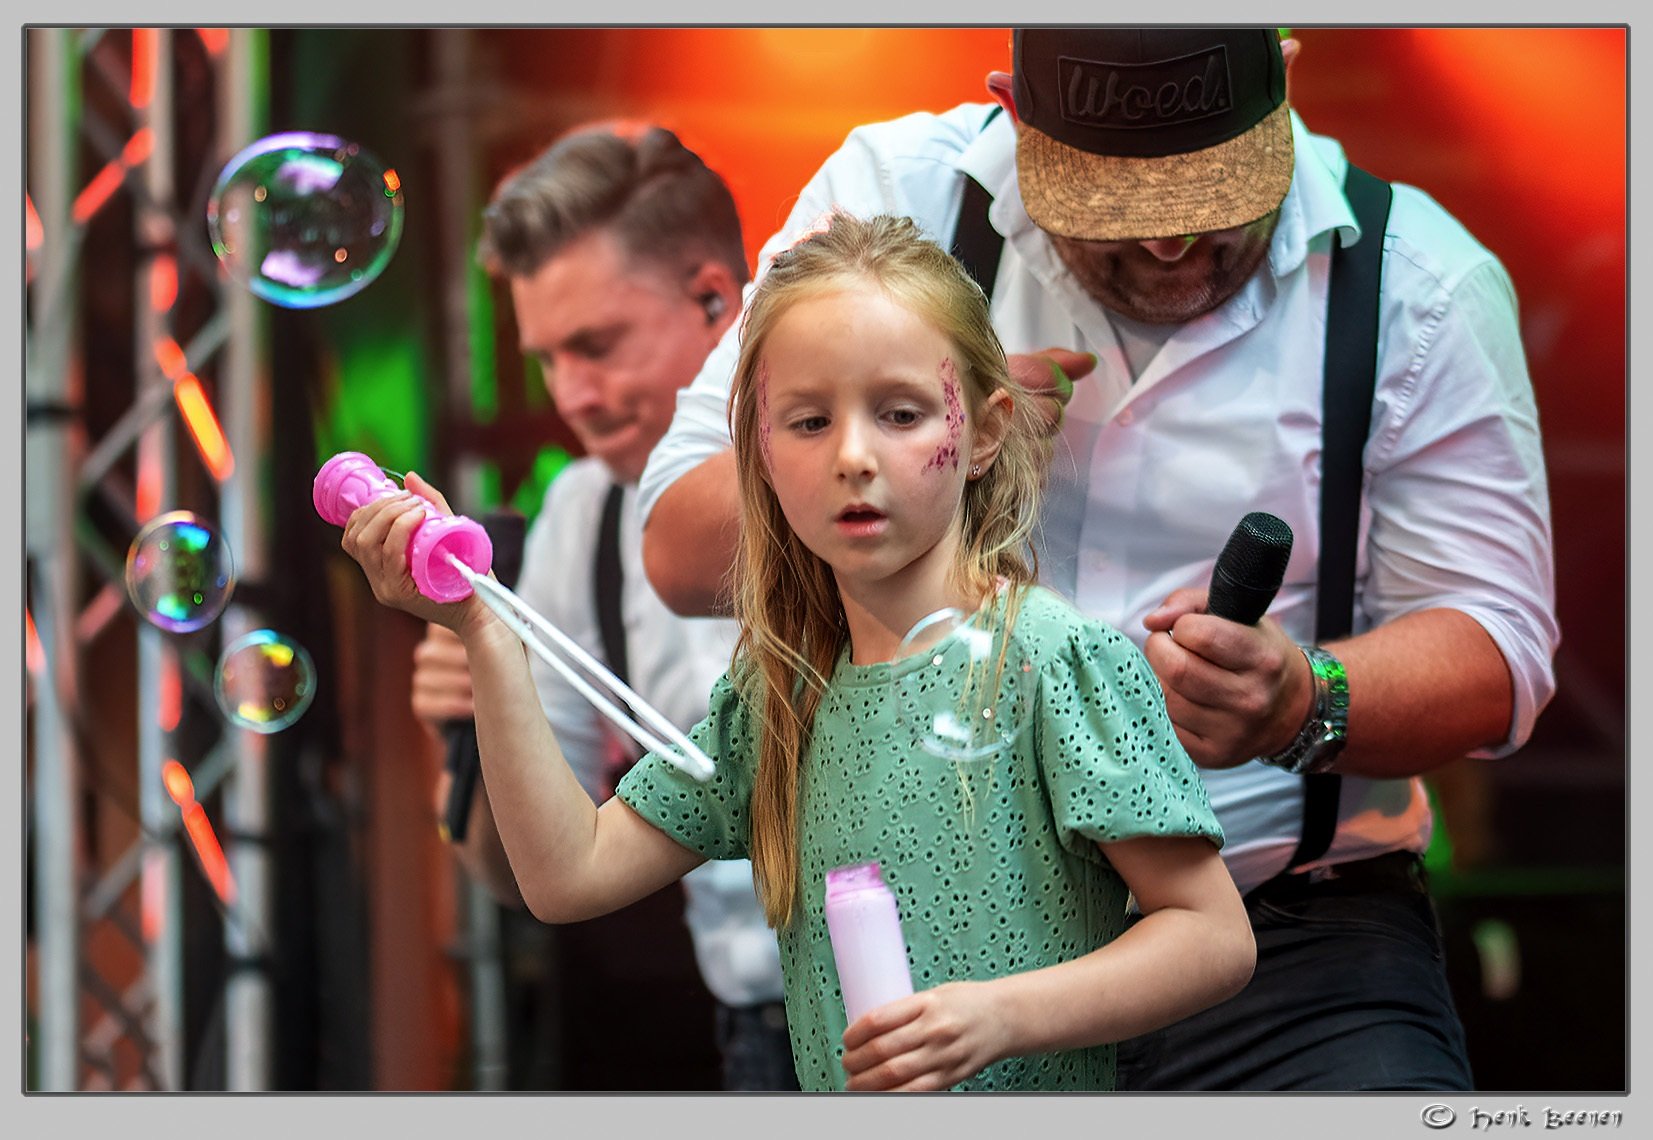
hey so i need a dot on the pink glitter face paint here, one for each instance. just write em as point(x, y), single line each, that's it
point(763, 413)
point(948, 452)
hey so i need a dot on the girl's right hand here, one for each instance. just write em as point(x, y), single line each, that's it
point(377, 535)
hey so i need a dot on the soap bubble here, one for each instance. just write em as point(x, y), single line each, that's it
point(264, 681)
point(305, 219)
point(964, 692)
point(179, 572)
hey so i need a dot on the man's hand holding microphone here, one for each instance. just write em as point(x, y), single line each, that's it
point(1236, 685)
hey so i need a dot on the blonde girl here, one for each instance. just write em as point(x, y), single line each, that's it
point(889, 468)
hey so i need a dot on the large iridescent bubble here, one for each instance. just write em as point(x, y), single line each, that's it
point(304, 219)
point(964, 692)
point(264, 681)
point(179, 573)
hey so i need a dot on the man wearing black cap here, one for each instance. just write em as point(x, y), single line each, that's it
point(1149, 198)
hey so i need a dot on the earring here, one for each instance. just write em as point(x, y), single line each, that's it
point(975, 471)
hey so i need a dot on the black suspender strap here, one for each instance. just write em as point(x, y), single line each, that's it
point(1348, 385)
point(607, 578)
point(976, 243)
point(1350, 379)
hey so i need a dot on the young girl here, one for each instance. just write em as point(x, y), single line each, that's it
point(889, 469)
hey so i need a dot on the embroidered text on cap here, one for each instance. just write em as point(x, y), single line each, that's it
point(1137, 96)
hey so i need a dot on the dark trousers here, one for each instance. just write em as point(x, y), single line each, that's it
point(635, 1014)
point(756, 1048)
point(1350, 994)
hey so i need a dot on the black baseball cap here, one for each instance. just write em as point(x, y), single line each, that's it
point(1135, 133)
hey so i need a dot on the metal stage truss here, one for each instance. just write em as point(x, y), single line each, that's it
point(111, 873)
point(108, 957)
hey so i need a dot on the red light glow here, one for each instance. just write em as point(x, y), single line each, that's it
point(163, 283)
point(143, 78)
point(97, 191)
point(109, 179)
point(34, 653)
point(178, 784)
point(171, 698)
point(202, 423)
point(199, 829)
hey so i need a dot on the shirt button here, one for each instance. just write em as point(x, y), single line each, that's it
point(1126, 417)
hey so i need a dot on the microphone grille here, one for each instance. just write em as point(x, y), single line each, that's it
point(1258, 550)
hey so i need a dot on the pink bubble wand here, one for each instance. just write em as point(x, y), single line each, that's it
point(449, 557)
point(350, 480)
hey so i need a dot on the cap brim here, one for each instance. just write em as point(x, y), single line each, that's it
point(1098, 197)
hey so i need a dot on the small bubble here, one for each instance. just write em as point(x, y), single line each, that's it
point(179, 573)
point(264, 681)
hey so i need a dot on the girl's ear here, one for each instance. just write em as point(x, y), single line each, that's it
point(990, 432)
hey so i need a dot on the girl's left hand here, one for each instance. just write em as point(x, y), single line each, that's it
point(929, 1041)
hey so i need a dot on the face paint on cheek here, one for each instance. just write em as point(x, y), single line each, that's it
point(763, 414)
point(948, 452)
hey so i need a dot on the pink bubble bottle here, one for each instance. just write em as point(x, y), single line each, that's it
point(867, 943)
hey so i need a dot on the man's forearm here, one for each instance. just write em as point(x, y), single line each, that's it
point(1424, 689)
point(691, 539)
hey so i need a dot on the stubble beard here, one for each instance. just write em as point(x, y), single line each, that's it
point(1128, 280)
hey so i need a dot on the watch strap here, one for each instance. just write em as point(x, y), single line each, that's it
point(1320, 740)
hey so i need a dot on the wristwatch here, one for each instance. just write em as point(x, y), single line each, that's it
point(1323, 734)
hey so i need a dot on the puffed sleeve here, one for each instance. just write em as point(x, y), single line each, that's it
point(714, 817)
point(1111, 759)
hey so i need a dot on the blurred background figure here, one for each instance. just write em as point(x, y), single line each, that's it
point(624, 258)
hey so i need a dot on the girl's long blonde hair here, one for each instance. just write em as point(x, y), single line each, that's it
point(786, 601)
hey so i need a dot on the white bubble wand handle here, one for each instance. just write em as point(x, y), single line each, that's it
point(519, 616)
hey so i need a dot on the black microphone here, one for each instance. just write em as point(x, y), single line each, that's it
point(506, 529)
point(1250, 568)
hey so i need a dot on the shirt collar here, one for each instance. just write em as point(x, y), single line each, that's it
point(990, 159)
point(1314, 204)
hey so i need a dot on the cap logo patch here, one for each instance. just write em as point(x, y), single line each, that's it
point(1133, 96)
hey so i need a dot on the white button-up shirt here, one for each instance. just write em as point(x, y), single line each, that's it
point(1150, 476)
point(673, 663)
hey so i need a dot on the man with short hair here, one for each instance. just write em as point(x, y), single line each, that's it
point(1155, 202)
point(625, 261)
